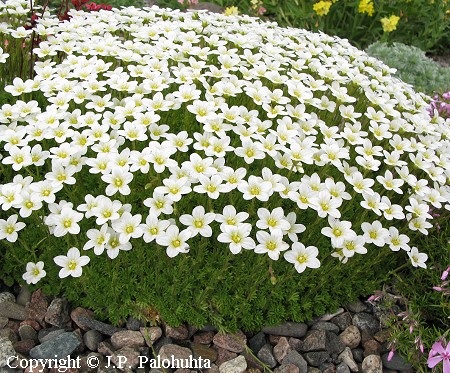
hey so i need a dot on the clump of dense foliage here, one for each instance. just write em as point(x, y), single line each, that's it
point(239, 180)
point(412, 66)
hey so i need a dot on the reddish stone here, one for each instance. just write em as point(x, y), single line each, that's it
point(224, 355)
point(13, 325)
point(274, 339)
point(24, 347)
point(33, 323)
point(78, 313)
point(39, 369)
point(204, 338)
point(37, 307)
point(178, 333)
point(231, 342)
point(65, 370)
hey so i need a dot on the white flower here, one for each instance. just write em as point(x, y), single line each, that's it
point(352, 246)
point(326, 205)
point(118, 181)
point(397, 241)
point(114, 246)
point(106, 210)
point(65, 222)
point(72, 263)
point(229, 216)
point(97, 239)
point(174, 241)
point(302, 257)
point(9, 228)
point(417, 259)
point(211, 186)
point(255, 187)
point(375, 233)
point(390, 183)
point(174, 189)
point(34, 272)
point(153, 227)
point(198, 222)
point(271, 243)
point(128, 226)
point(294, 228)
point(237, 237)
point(338, 231)
point(159, 204)
point(273, 220)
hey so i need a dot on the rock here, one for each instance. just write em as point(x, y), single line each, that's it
point(102, 327)
point(316, 358)
point(274, 339)
point(224, 355)
point(24, 346)
point(204, 338)
point(204, 351)
point(281, 349)
point(3, 321)
point(342, 368)
point(92, 338)
point(179, 333)
point(257, 342)
point(60, 346)
point(12, 310)
point(127, 338)
point(253, 363)
point(358, 355)
point(231, 342)
point(33, 323)
point(289, 329)
point(372, 364)
point(315, 340)
point(367, 324)
point(334, 343)
point(49, 333)
point(9, 333)
point(134, 324)
point(83, 313)
point(126, 357)
point(151, 334)
point(351, 336)
point(24, 296)
point(342, 320)
point(265, 354)
point(38, 369)
point(105, 348)
point(371, 347)
point(14, 326)
point(27, 332)
point(295, 343)
point(58, 313)
point(6, 351)
point(325, 325)
point(214, 369)
point(178, 352)
point(236, 365)
point(94, 357)
point(295, 358)
point(37, 307)
point(288, 368)
point(161, 342)
point(347, 358)
point(382, 336)
point(6, 296)
point(330, 316)
point(327, 368)
point(204, 5)
point(313, 370)
point(396, 363)
point(357, 306)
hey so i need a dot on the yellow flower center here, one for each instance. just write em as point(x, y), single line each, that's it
point(302, 259)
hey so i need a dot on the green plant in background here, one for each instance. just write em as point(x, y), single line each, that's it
point(424, 24)
point(413, 66)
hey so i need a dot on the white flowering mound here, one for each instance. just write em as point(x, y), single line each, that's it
point(188, 132)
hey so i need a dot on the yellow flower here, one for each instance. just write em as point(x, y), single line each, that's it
point(366, 6)
point(231, 11)
point(389, 24)
point(322, 7)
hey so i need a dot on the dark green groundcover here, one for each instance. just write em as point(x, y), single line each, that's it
point(209, 285)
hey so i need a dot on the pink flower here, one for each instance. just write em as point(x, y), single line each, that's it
point(444, 356)
point(261, 11)
point(445, 274)
point(391, 355)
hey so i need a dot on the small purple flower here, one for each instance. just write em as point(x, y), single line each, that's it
point(438, 354)
point(445, 274)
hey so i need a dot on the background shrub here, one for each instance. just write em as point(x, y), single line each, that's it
point(413, 66)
